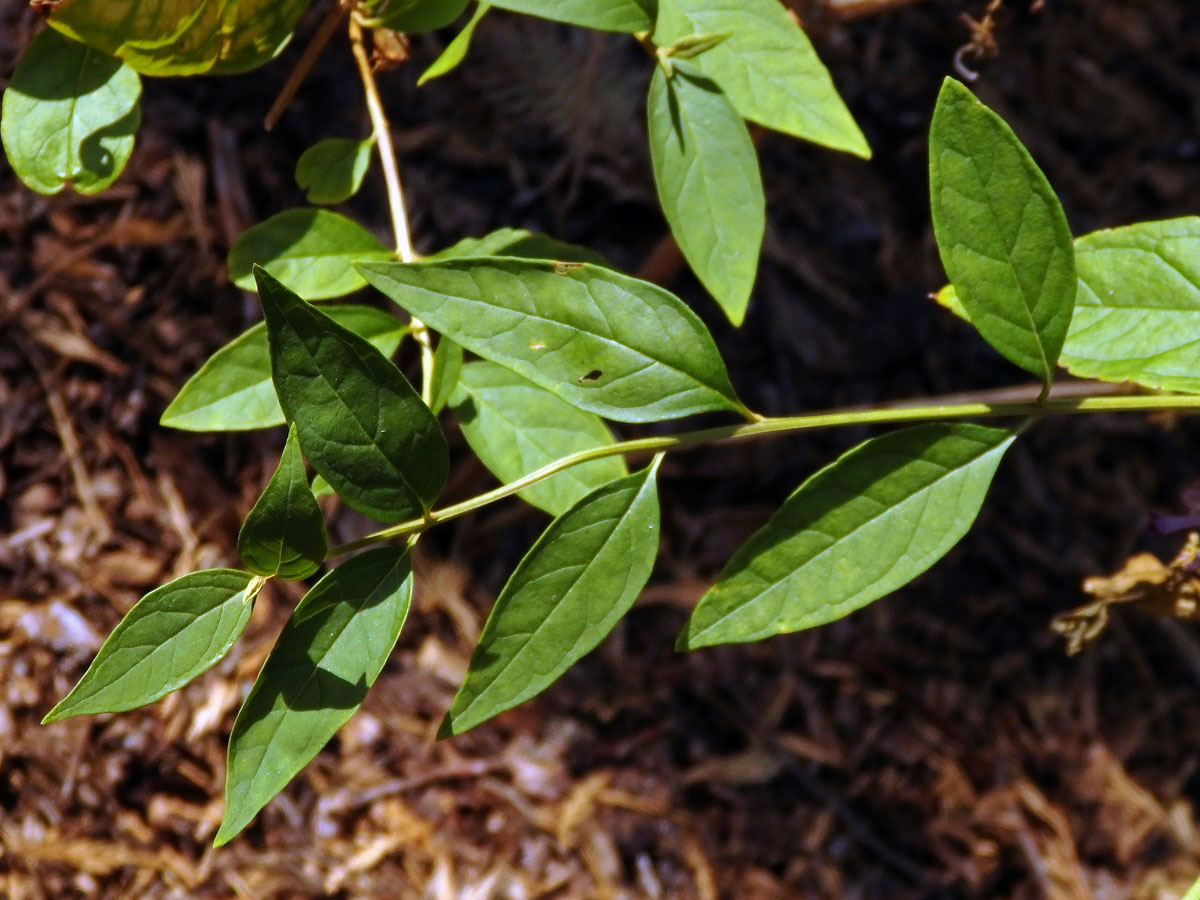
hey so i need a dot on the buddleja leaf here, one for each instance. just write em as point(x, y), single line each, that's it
point(447, 365)
point(456, 51)
point(312, 251)
point(767, 67)
point(572, 587)
point(706, 170)
point(414, 16)
point(233, 389)
point(330, 652)
point(69, 116)
point(1001, 232)
point(360, 423)
point(168, 638)
point(516, 427)
point(1137, 308)
point(182, 37)
point(856, 530)
point(284, 533)
point(520, 243)
point(332, 170)
point(604, 15)
point(604, 342)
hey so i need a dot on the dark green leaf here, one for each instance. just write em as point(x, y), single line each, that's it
point(360, 423)
point(856, 530)
point(414, 16)
point(312, 251)
point(169, 637)
point(69, 116)
point(515, 428)
point(182, 37)
point(522, 244)
point(447, 364)
point(332, 170)
point(330, 652)
point(572, 587)
point(284, 534)
point(1001, 232)
point(768, 68)
point(456, 50)
point(604, 342)
point(233, 389)
point(604, 15)
point(706, 170)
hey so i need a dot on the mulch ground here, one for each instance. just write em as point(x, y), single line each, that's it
point(936, 745)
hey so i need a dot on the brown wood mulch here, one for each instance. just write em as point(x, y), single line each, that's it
point(937, 745)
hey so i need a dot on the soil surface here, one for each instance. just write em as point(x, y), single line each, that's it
point(939, 744)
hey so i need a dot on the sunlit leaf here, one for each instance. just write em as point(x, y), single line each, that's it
point(168, 638)
point(1001, 232)
point(604, 342)
point(233, 389)
point(332, 170)
point(330, 652)
point(447, 365)
point(456, 50)
point(312, 251)
point(858, 529)
point(284, 534)
point(516, 427)
point(520, 243)
point(706, 171)
point(182, 37)
point(360, 423)
point(767, 67)
point(572, 587)
point(69, 116)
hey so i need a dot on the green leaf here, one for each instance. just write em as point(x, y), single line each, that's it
point(182, 37)
point(1137, 308)
point(1001, 232)
point(312, 251)
point(414, 16)
point(447, 364)
point(856, 530)
point(168, 638)
point(516, 427)
point(522, 244)
point(69, 116)
point(284, 534)
point(330, 652)
point(604, 342)
point(706, 170)
point(572, 587)
point(332, 170)
point(1137, 313)
point(233, 389)
point(604, 15)
point(767, 68)
point(456, 50)
point(360, 423)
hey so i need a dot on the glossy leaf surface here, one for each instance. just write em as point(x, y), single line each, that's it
point(706, 171)
point(856, 530)
point(312, 251)
point(69, 116)
point(360, 423)
point(604, 342)
point(456, 51)
point(604, 15)
point(284, 533)
point(572, 587)
point(182, 37)
point(330, 652)
point(332, 170)
point(168, 638)
point(1001, 232)
point(232, 391)
point(516, 427)
point(767, 68)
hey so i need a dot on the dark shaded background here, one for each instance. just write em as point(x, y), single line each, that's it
point(936, 745)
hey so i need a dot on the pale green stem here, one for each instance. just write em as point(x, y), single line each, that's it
point(395, 194)
point(765, 427)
